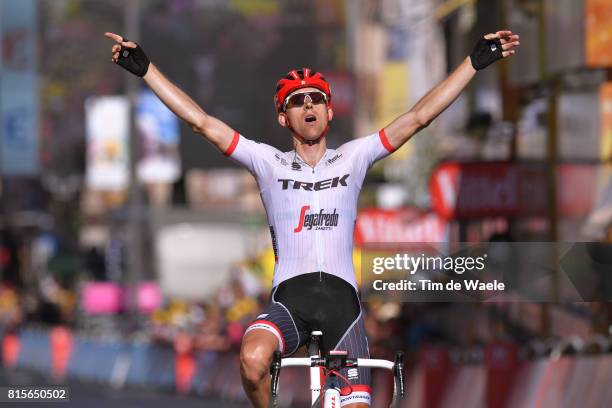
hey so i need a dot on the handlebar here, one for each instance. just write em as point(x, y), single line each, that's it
point(396, 367)
point(398, 373)
point(350, 362)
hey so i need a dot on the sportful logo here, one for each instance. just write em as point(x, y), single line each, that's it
point(318, 221)
point(294, 165)
point(319, 185)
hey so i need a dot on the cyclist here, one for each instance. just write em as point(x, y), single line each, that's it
point(310, 195)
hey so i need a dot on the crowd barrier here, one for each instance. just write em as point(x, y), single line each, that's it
point(435, 382)
point(64, 355)
point(503, 381)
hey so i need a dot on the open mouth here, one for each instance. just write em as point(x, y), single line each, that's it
point(310, 118)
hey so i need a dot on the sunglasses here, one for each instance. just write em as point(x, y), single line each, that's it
point(299, 99)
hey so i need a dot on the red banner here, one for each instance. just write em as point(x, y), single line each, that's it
point(502, 365)
point(435, 363)
point(376, 225)
point(477, 190)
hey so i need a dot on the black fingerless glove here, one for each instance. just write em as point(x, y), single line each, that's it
point(485, 53)
point(134, 60)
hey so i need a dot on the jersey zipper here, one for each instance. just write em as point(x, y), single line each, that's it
point(315, 200)
point(318, 241)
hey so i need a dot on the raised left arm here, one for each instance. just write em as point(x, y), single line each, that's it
point(489, 49)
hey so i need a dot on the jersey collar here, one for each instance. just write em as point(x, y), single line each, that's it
point(296, 158)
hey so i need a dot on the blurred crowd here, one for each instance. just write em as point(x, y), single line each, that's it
point(216, 325)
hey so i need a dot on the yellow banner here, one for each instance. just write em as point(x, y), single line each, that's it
point(606, 121)
point(393, 99)
point(255, 7)
point(392, 92)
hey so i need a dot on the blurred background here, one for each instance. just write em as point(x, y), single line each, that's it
point(133, 254)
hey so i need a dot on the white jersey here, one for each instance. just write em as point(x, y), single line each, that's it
point(311, 210)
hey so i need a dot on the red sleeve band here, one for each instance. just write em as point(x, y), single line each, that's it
point(385, 141)
point(232, 145)
point(273, 326)
point(355, 388)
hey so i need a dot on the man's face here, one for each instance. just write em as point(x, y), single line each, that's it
point(311, 118)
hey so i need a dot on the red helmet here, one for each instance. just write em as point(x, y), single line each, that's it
point(297, 79)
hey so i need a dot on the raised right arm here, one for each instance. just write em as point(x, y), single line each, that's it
point(136, 62)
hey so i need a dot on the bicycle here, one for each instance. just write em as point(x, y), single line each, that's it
point(332, 363)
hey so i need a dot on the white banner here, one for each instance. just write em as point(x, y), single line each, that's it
point(107, 125)
point(578, 121)
point(194, 260)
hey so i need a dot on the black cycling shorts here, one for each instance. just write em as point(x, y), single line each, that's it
point(318, 301)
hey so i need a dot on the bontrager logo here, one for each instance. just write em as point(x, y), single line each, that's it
point(281, 160)
point(318, 221)
point(319, 185)
point(333, 159)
